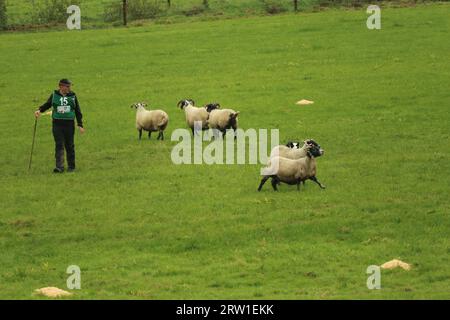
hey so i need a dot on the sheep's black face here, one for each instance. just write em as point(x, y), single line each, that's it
point(312, 142)
point(293, 145)
point(139, 104)
point(212, 106)
point(184, 103)
point(314, 148)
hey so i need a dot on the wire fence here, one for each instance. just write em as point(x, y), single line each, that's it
point(97, 13)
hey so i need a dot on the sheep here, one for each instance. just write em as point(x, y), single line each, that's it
point(222, 119)
point(154, 120)
point(293, 153)
point(293, 171)
point(293, 144)
point(194, 114)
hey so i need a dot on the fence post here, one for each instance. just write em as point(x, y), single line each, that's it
point(125, 11)
point(205, 4)
point(168, 3)
point(295, 5)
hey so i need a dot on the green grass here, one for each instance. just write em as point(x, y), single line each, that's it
point(140, 227)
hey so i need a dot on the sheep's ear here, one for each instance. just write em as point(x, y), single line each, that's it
point(133, 106)
point(180, 103)
point(234, 115)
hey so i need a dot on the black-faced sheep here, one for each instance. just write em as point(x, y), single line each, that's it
point(222, 119)
point(293, 171)
point(194, 114)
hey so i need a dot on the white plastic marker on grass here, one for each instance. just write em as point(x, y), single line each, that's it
point(304, 102)
point(396, 263)
point(52, 292)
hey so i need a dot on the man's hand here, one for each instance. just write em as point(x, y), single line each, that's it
point(82, 130)
point(37, 113)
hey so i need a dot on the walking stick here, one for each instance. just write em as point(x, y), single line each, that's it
point(32, 144)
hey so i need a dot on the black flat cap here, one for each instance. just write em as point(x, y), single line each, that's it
point(66, 82)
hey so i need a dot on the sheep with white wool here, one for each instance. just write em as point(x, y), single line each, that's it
point(194, 114)
point(150, 120)
point(293, 171)
point(222, 119)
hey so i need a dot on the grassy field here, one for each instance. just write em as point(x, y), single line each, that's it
point(141, 227)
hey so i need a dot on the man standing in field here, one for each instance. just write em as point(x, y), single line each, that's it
point(65, 109)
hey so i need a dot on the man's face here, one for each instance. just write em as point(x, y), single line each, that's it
point(64, 88)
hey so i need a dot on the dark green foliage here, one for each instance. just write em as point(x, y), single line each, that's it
point(274, 6)
point(137, 10)
point(195, 10)
point(51, 11)
point(3, 16)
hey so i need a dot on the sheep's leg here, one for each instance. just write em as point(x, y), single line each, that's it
point(317, 181)
point(262, 182)
point(275, 181)
point(298, 184)
point(140, 134)
point(161, 135)
point(149, 134)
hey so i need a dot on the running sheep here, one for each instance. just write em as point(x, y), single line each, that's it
point(150, 120)
point(293, 171)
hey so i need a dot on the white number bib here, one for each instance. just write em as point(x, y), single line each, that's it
point(63, 109)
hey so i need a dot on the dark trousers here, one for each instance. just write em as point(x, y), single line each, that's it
point(63, 132)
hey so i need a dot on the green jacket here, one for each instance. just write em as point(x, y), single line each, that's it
point(64, 108)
